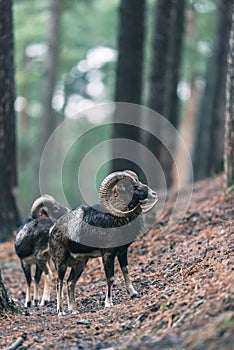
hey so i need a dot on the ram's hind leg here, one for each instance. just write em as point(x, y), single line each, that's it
point(43, 266)
point(27, 272)
point(61, 273)
point(47, 285)
point(37, 278)
point(75, 273)
point(123, 261)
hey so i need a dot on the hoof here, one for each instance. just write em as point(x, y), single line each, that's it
point(72, 309)
point(134, 295)
point(108, 304)
point(74, 312)
point(27, 304)
point(44, 302)
point(61, 313)
point(35, 302)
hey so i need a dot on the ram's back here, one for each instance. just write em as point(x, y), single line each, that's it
point(92, 227)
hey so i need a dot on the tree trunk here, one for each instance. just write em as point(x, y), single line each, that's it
point(9, 218)
point(5, 302)
point(128, 74)
point(209, 147)
point(48, 119)
point(217, 132)
point(229, 123)
point(157, 86)
point(165, 73)
point(204, 125)
point(171, 100)
point(160, 48)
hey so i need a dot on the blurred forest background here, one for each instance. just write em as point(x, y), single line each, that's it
point(70, 55)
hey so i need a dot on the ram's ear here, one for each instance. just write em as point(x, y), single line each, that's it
point(122, 186)
point(118, 189)
point(115, 192)
point(43, 212)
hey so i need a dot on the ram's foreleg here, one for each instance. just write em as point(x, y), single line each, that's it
point(123, 261)
point(61, 273)
point(108, 262)
point(75, 273)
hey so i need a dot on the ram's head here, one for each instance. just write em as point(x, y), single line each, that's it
point(48, 205)
point(121, 193)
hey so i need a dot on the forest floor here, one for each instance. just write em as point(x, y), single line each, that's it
point(185, 280)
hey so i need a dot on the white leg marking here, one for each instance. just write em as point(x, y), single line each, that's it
point(35, 294)
point(59, 299)
point(28, 297)
point(47, 285)
point(108, 300)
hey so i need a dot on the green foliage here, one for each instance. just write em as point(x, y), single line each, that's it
point(85, 25)
point(29, 23)
point(200, 29)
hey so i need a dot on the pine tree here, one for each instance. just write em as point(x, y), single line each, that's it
point(229, 122)
point(129, 73)
point(9, 218)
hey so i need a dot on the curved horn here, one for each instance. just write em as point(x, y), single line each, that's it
point(39, 203)
point(104, 192)
point(54, 209)
point(130, 172)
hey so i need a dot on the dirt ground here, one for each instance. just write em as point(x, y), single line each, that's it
point(185, 280)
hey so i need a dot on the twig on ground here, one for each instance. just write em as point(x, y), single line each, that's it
point(18, 342)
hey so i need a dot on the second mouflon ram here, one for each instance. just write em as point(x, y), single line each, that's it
point(105, 230)
point(31, 245)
